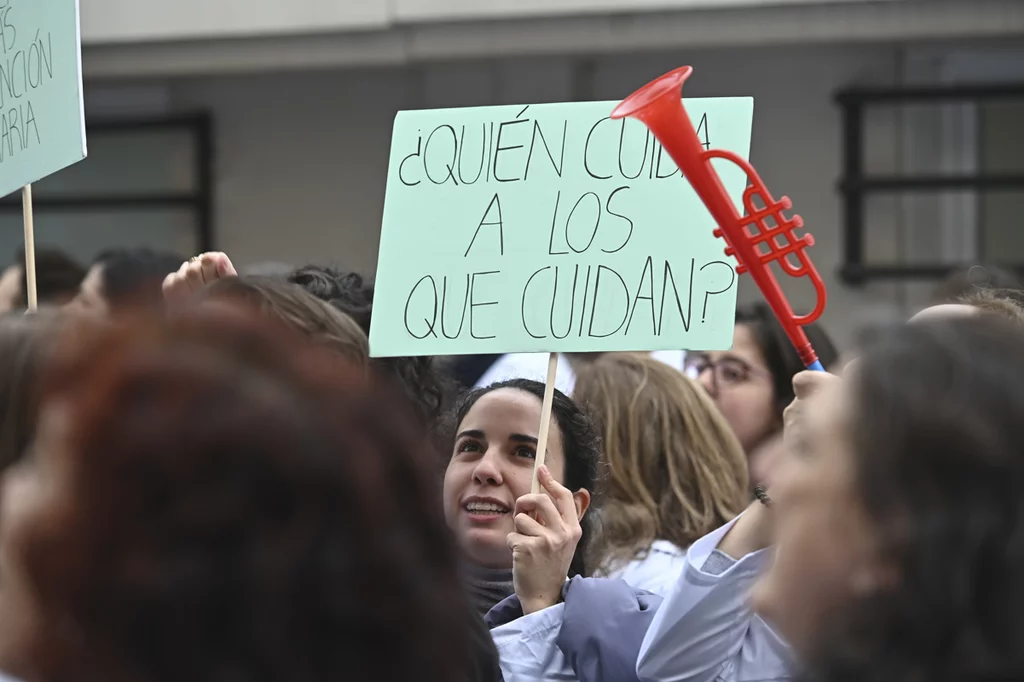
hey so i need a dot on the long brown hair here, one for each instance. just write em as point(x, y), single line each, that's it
point(673, 470)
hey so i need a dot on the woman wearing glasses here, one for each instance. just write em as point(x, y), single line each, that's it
point(753, 382)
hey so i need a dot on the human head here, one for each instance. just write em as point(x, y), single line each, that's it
point(292, 306)
point(899, 518)
point(969, 280)
point(493, 445)
point(58, 277)
point(1005, 303)
point(124, 279)
point(753, 383)
point(26, 342)
point(671, 469)
point(353, 295)
point(212, 498)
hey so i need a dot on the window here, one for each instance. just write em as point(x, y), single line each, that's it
point(960, 200)
point(144, 183)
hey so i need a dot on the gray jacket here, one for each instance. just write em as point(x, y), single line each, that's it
point(594, 635)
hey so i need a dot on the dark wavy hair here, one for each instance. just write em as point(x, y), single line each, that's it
point(938, 443)
point(782, 359)
point(580, 442)
point(239, 505)
point(133, 278)
point(422, 383)
point(58, 277)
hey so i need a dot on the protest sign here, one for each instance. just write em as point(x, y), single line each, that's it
point(551, 228)
point(42, 118)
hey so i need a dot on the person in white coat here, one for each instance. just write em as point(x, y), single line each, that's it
point(673, 470)
point(898, 522)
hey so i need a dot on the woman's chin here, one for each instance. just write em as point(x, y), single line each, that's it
point(487, 547)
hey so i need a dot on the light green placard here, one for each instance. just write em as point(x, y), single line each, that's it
point(42, 118)
point(551, 228)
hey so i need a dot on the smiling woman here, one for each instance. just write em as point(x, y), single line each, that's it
point(494, 444)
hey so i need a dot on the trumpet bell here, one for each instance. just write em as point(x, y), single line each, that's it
point(671, 84)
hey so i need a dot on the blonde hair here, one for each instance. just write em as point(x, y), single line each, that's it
point(672, 468)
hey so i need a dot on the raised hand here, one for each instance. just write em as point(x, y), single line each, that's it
point(196, 273)
point(543, 543)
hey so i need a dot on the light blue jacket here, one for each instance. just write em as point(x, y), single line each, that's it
point(594, 635)
point(705, 630)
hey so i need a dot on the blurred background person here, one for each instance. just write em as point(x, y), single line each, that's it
point(122, 280)
point(26, 344)
point(422, 381)
point(969, 280)
point(211, 499)
point(671, 469)
point(58, 277)
point(752, 383)
point(900, 524)
point(288, 304)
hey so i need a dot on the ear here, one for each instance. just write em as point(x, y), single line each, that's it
point(582, 500)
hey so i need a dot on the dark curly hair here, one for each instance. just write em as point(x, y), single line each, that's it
point(422, 383)
point(971, 279)
point(938, 444)
point(238, 505)
point(580, 441)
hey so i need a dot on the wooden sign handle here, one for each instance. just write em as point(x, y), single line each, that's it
point(545, 419)
point(30, 247)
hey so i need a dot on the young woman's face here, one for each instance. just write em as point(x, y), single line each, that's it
point(826, 546)
point(740, 383)
point(491, 467)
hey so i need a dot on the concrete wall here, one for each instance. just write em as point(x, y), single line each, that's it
point(119, 21)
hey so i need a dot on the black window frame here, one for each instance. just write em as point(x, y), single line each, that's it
point(855, 185)
point(200, 199)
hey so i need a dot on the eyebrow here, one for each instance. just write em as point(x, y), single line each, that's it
point(515, 437)
point(521, 438)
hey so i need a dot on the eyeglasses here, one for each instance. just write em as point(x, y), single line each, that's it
point(727, 372)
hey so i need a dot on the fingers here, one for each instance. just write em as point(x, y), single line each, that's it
point(527, 525)
point(224, 266)
point(197, 273)
point(561, 495)
point(807, 383)
point(542, 507)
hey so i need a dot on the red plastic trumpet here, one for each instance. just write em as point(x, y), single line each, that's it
point(659, 106)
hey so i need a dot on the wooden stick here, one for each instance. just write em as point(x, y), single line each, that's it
point(30, 247)
point(545, 419)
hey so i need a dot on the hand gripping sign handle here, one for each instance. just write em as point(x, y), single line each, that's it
point(659, 106)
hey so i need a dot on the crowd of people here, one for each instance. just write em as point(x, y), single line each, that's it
point(205, 476)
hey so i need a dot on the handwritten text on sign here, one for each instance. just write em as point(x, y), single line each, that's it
point(41, 115)
point(551, 228)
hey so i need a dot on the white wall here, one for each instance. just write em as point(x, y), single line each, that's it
point(302, 158)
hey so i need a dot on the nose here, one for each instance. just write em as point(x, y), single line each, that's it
point(707, 380)
point(488, 469)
